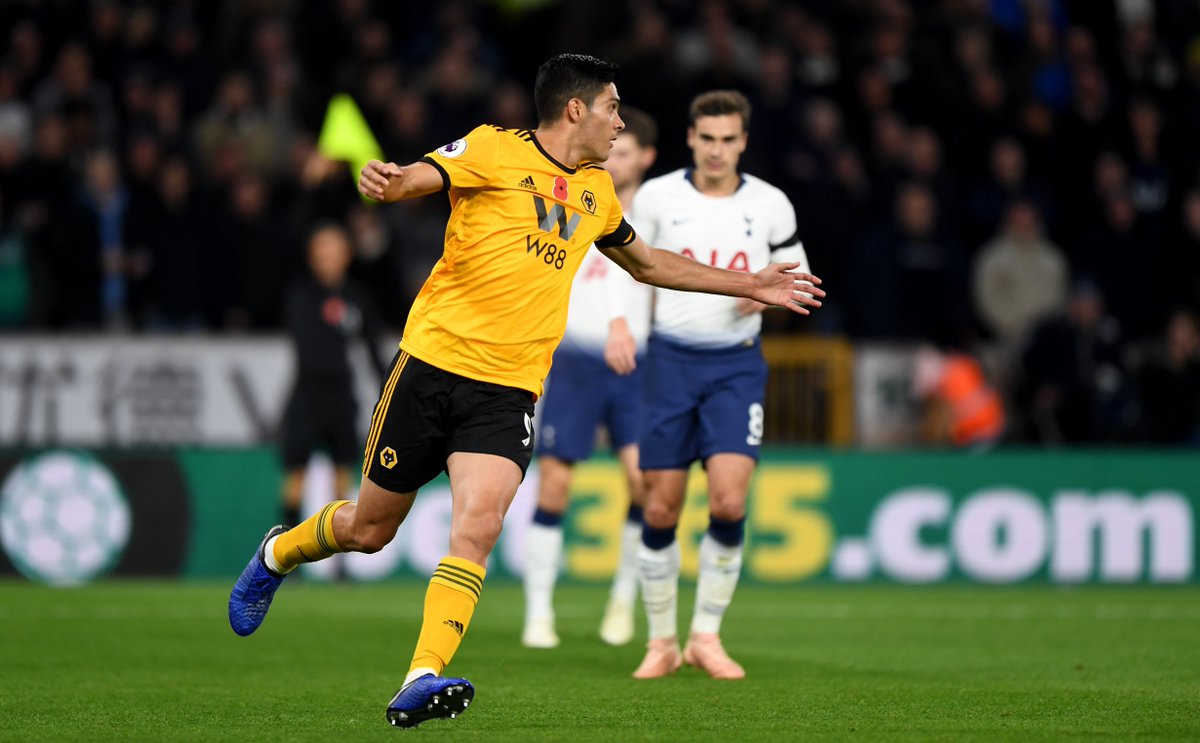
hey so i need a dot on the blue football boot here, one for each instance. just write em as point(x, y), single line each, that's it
point(429, 697)
point(251, 595)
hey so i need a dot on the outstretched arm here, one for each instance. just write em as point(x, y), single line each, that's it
point(778, 284)
point(388, 182)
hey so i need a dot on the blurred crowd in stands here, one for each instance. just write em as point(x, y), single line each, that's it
point(1019, 179)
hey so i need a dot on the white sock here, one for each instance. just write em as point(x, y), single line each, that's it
point(415, 674)
point(269, 558)
point(720, 566)
point(658, 574)
point(625, 581)
point(543, 552)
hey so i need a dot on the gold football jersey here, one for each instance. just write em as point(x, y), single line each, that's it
point(495, 306)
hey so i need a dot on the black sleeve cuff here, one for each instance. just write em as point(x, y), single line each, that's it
point(440, 169)
point(619, 237)
point(793, 240)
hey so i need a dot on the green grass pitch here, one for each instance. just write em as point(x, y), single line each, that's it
point(131, 661)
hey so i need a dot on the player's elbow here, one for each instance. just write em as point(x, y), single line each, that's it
point(645, 273)
point(639, 273)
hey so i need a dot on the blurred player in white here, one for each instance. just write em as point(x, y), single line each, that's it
point(595, 380)
point(704, 376)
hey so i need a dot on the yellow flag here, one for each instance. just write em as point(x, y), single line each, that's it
point(345, 135)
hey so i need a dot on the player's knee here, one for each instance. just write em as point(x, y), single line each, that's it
point(489, 527)
point(727, 505)
point(660, 515)
point(481, 532)
point(370, 539)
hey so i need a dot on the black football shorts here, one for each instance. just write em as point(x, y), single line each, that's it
point(320, 417)
point(425, 414)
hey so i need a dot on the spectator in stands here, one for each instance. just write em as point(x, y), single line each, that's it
point(1169, 385)
point(826, 180)
point(923, 162)
point(177, 247)
point(407, 130)
point(169, 120)
point(650, 73)
point(775, 97)
point(1149, 178)
point(1183, 278)
point(1148, 63)
point(1071, 376)
point(73, 88)
point(1018, 279)
point(1006, 181)
point(982, 114)
point(1086, 130)
point(887, 159)
point(456, 85)
point(1036, 127)
point(912, 251)
point(140, 34)
point(820, 69)
point(186, 62)
point(137, 102)
point(1046, 68)
point(64, 232)
point(715, 52)
point(107, 21)
point(142, 167)
point(256, 264)
point(234, 127)
point(833, 221)
point(27, 54)
point(1116, 235)
point(105, 197)
point(16, 120)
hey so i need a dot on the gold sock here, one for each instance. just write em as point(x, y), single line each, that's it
point(449, 603)
point(312, 540)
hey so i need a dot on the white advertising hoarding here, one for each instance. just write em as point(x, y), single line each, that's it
point(152, 391)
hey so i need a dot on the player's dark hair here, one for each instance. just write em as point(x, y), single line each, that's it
point(719, 103)
point(640, 125)
point(568, 76)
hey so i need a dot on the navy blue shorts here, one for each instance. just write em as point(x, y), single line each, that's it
point(700, 402)
point(581, 394)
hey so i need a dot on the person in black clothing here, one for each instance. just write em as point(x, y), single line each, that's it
point(1169, 385)
point(1071, 378)
point(325, 313)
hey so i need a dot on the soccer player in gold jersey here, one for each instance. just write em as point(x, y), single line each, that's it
point(525, 206)
point(595, 382)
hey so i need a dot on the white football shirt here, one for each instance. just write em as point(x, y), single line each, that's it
point(744, 231)
point(601, 292)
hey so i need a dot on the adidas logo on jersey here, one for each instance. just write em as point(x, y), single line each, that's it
point(527, 182)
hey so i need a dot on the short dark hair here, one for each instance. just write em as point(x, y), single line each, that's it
point(639, 124)
point(327, 225)
point(568, 76)
point(719, 103)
